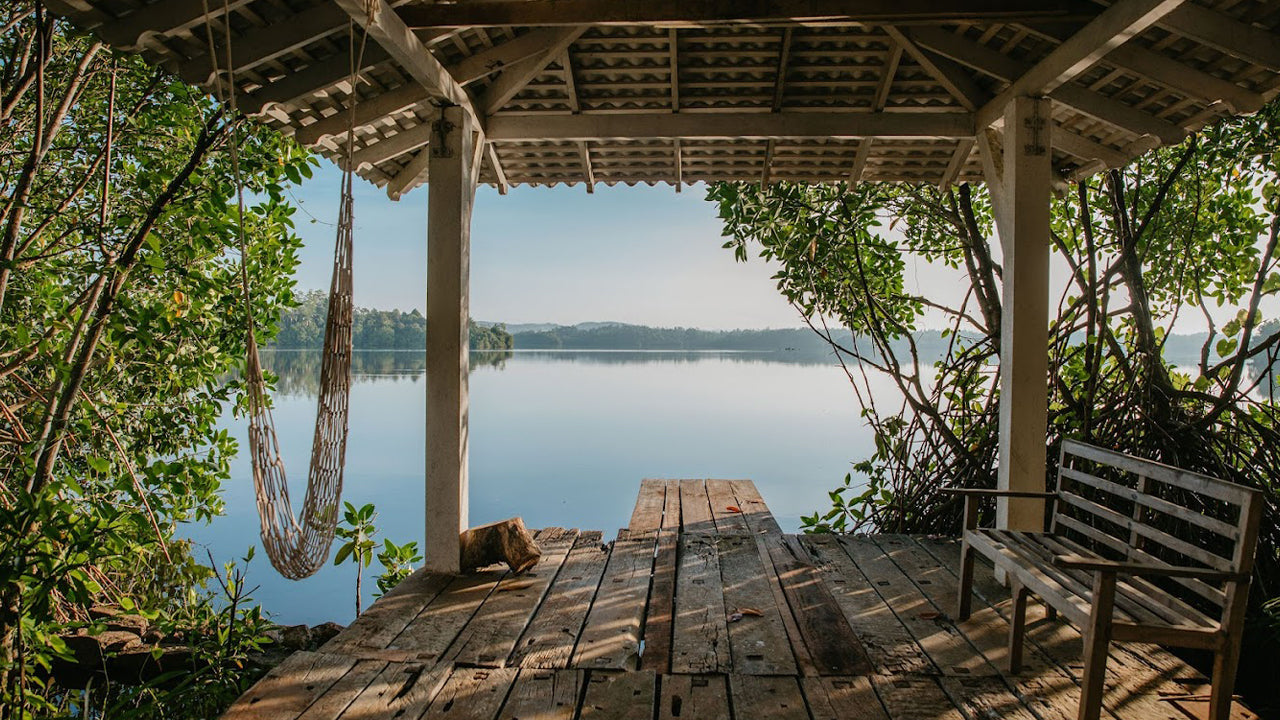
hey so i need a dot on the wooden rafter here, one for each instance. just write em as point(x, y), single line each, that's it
point(948, 74)
point(1225, 34)
point(132, 30)
point(1169, 72)
point(495, 163)
point(679, 163)
point(886, 77)
point(730, 125)
point(570, 82)
point(673, 61)
point(386, 28)
point(1003, 67)
point(859, 163)
point(515, 77)
point(958, 158)
point(370, 110)
point(498, 13)
point(588, 172)
point(1115, 26)
point(780, 78)
point(766, 169)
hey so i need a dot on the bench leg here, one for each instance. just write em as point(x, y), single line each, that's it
point(1097, 639)
point(964, 604)
point(1018, 627)
point(1225, 663)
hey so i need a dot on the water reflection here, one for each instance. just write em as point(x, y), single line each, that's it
point(560, 438)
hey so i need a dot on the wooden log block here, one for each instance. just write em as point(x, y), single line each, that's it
point(506, 541)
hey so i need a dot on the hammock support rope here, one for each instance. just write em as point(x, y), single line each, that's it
point(299, 546)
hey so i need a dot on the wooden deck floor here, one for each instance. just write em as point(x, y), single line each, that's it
point(703, 608)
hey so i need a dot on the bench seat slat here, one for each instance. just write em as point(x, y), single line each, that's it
point(1035, 577)
point(1030, 546)
point(1028, 552)
point(1181, 547)
point(1153, 595)
point(1213, 525)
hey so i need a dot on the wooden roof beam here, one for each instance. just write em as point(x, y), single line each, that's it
point(731, 125)
point(467, 70)
point(132, 31)
point(1225, 34)
point(386, 28)
point(1003, 67)
point(515, 77)
point(1167, 71)
point(683, 13)
point(1112, 28)
point(496, 164)
point(958, 158)
point(859, 164)
point(951, 77)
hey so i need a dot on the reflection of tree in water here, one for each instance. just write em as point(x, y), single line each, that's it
point(299, 370)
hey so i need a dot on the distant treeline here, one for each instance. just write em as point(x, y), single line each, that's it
point(302, 328)
point(618, 336)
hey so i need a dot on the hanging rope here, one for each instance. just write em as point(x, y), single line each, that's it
point(299, 546)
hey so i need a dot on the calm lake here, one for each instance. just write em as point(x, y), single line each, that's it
point(559, 438)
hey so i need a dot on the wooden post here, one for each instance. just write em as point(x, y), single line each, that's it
point(1022, 212)
point(450, 191)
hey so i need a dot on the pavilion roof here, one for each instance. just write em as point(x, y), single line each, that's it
point(609, 91)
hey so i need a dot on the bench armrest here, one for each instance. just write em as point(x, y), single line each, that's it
point(992, 492)
point(972, 495)
point(1081, 562)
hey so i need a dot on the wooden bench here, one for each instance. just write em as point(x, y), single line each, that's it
point(1136, 550)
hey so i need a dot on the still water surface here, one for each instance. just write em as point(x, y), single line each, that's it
point(560, 438)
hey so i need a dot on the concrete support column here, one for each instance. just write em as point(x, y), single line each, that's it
point(1022, 212)
point(451, 182)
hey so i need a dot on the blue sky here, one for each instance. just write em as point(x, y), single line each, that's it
point(645, 255)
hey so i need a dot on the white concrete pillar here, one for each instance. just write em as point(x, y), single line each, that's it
point(1022, 210)
point(451, 185)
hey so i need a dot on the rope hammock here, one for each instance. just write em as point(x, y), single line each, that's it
point(298, 547)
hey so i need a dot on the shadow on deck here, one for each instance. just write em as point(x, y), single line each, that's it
point(702, 608)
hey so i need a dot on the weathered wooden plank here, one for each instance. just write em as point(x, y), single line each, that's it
point(945, 645)
point(339, 695)
point(762, 696)
point(430, 633)
point(647, 514)
point(914, 698)
point(986, 697)
point(671, 509)
point(701, 642)
point(291, 686)
point(469, 694)
point(490, 637)
point(1042, 685)
point(831, 643)
point(754, 510)
point(890, 647)
point(659, 622)
point(701, 697)
point(695, 508)
point(611, 636)
point(543, 695)
point(758, 643)
point(619, 696)
point(724, 507)
point(848, 697)
point(387, 617)
point(550, 637)
point(400, 690)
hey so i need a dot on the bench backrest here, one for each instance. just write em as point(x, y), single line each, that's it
point(1128, 508)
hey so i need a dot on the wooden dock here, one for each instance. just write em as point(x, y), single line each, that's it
point(703, 608)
